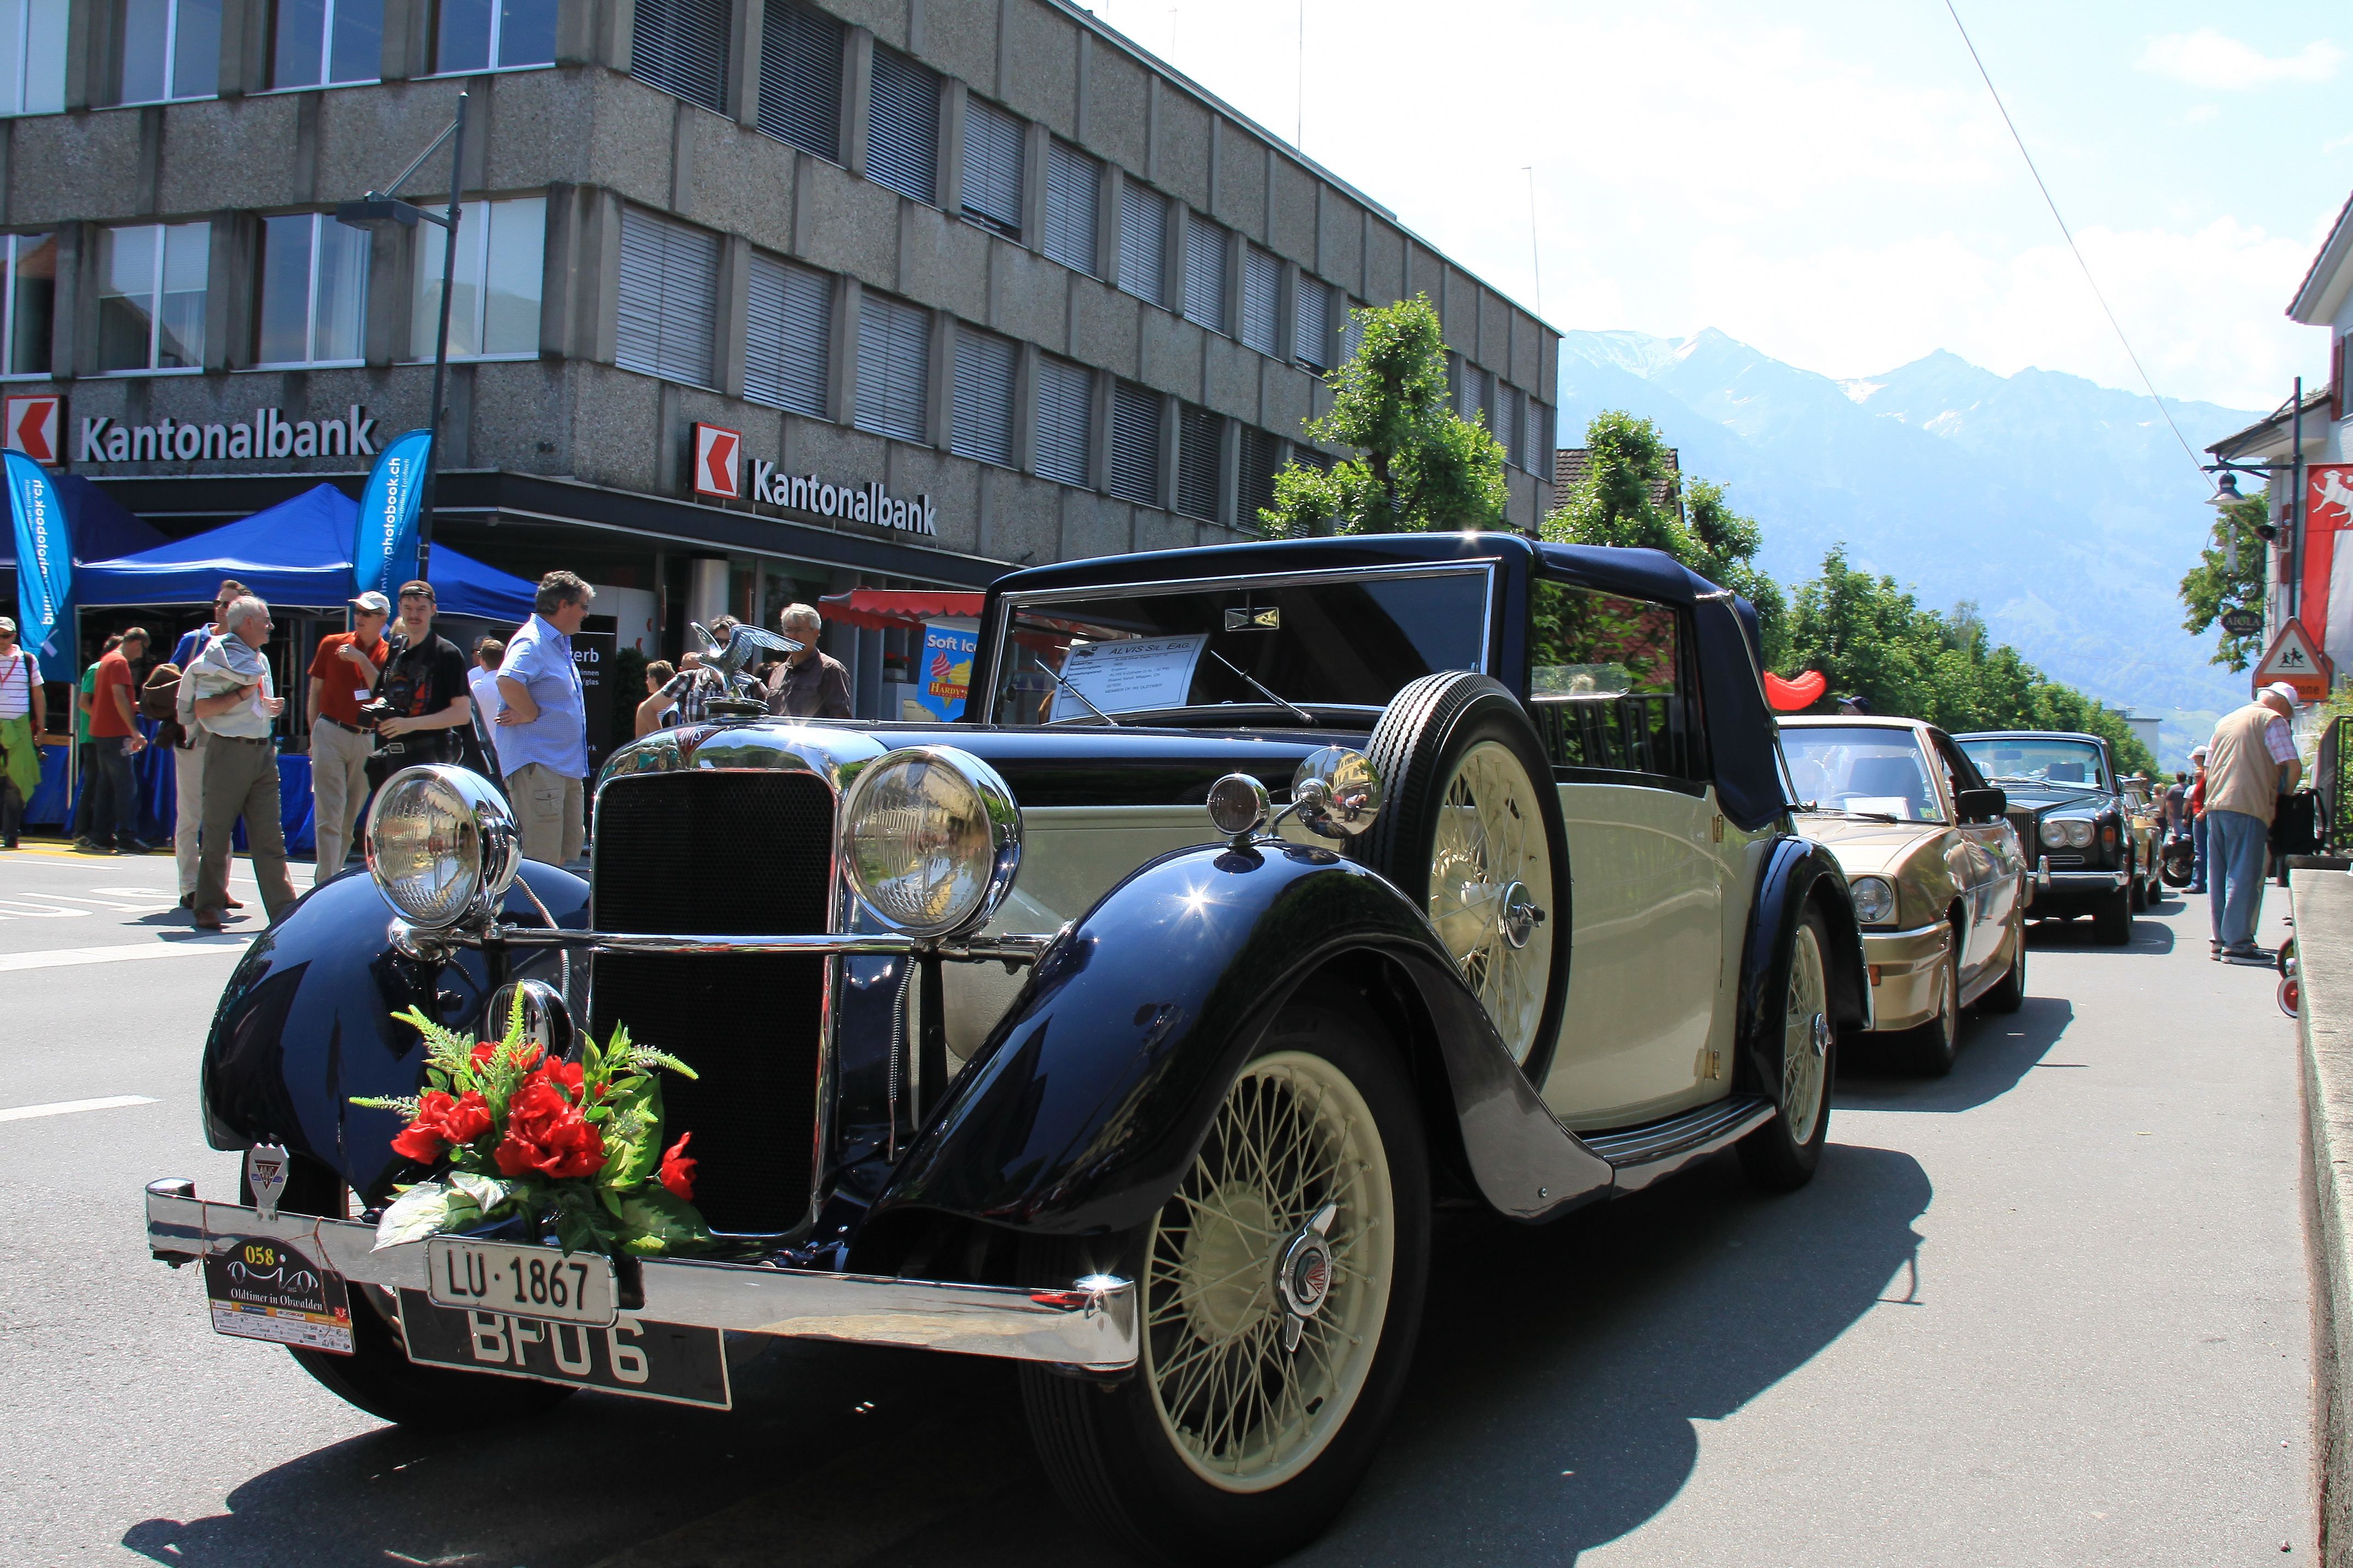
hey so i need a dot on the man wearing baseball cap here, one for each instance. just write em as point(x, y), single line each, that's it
point(2250, 763)
point(343, 676)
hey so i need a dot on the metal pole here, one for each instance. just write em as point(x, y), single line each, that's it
point(2295, 595)
point(441, 344)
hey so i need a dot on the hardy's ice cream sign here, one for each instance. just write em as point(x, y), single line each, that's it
point(720, 472)
point(105, 440)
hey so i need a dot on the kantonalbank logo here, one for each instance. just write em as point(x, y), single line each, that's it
point(103, 440)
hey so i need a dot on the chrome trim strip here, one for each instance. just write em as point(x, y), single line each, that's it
point(1090, 1324)
point(880, 944)
point(1870, 932)
point(1640, 1156)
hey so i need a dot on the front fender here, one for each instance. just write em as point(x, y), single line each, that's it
point(1083, 1108)
point(1798, 872)
point(306, 1023)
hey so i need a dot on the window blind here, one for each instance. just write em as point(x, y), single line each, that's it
point(994, 154)
point(1311, 331)
point(1143, 242)
point(1073, 196)
point(800, 79)
point(1512, 422)
point(1261, 455)
point(1198, 439)
point(1135, 444)
point(669, 299)
point(895, 366)
point(1261, 284)
point(681, 46)
point(982, 426)
point(1066, 416)
point(788, 336)
point(902, 127)
point(1478, 395)
point(1205, 272)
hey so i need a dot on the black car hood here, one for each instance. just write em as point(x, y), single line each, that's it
point(2050, 797)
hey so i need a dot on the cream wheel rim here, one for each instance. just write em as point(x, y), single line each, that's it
point(1491, 889)
point(1268, 1273)
point(1805, 1039)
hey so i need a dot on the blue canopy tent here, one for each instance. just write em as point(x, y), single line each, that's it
point(103, 529)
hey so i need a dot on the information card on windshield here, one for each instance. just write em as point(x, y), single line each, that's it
point(1123, 677)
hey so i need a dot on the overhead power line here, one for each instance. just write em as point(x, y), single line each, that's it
point(2070, 235)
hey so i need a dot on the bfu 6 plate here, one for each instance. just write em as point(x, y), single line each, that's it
point(522, 1282)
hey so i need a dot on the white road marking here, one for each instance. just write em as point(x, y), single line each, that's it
point(66, 1107)
point(121, 952)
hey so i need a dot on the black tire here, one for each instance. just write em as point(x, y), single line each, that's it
point(1934, 1044)
point(1774, 1155)
point(2140, 893)
point(378, 1377)
point(2009, 993)
point(2111, 919)
point(1422, 736)
point(1111, 1453)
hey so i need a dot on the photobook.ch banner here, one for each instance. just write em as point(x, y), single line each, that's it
point(383, 556)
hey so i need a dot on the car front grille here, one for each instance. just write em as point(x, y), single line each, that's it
point(2059, 861)
point(729, 854)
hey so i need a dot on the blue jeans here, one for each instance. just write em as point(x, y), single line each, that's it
point(2198, 851)
point(2237, 844)
point(114, 798)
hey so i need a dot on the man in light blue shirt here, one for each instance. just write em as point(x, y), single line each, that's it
point(542, 724)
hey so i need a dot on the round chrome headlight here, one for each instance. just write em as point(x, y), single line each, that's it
point(930, 838)
point(2054, 833)
point(440, 843)
point(2079, 832)
point(1874, 900)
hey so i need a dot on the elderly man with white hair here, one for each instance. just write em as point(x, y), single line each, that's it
point(2250, 763)
point(812, 683)
point(236, 702)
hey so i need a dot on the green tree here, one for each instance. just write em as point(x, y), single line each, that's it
point(1419, 467)
point(2213, 585)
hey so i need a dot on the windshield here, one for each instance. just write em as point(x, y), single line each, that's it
point(1868, 771)
point(1349, 642)
point(2020, 760)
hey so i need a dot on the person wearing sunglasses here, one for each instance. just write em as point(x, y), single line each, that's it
point(23, 716)
point(188, 756)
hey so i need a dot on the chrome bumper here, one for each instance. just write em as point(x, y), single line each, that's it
point(2047, 880)
point(1903, 973)
point(1092, 1324)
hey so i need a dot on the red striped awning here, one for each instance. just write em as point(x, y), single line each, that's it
point(878, 609)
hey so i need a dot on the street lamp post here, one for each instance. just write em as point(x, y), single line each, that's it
point(385, 210)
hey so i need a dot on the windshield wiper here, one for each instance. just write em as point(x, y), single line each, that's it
point(1260, 688)
point(1083, 697)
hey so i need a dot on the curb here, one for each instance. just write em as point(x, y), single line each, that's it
point(2323, 940)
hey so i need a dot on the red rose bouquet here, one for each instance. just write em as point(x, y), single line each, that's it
point(574, 1148)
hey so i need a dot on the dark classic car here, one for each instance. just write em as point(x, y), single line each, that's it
point(2090, 854)
point(1047, 1036)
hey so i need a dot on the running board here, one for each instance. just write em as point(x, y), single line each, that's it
point(1640, 1156)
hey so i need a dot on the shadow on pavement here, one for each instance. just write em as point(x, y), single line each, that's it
point(1997, 1050)
point(2147, 936)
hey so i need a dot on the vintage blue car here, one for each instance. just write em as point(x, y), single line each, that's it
point(1268, 897)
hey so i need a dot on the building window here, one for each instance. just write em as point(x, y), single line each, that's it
point(681, 46)
point(983, 426)
point(1134, 443)
point(313, 287)
point(1352, 328)
point(1205, 272)
point(800, 79)
point(788, 336)
point(322, 41)
point(1512, 421)
point(1261, 457)
point(30, 303)
point(995, 150)
point(895, 366)
point(669, 299)
point(1073, 198)
point(171, 49)
point(32, 56)
point(1261, 287)
point(902, 127)
point(493, 35)
point(1540, 444)
point(1478, 392)
point(1143, 242)
point(502, 258)
point(1199, 443)
point(1066, 421)
point(151, 296)
point(1311, 335)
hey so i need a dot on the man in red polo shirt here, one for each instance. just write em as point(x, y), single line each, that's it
point(114, 740)
point(343, 676)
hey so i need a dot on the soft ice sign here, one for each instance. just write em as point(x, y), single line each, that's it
point(718, 472)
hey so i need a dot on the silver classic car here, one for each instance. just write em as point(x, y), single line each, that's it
point(1129, 1030)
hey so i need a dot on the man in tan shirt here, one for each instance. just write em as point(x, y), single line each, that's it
point(2250, 763)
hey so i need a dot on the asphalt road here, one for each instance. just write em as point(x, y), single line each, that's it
point(2050, 1309)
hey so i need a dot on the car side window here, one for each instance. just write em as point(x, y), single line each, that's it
point(1609, 683)
point(1959, 773)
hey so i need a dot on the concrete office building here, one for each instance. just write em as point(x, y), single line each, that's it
point(922, 287)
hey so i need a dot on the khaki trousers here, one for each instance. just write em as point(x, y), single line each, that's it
point(548, 808)
point(188, 811)
point(241, 780)
point(338, 784)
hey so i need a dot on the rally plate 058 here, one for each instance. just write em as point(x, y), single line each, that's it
point(522, 1282)
point(261, 1289)
point(679, 1362)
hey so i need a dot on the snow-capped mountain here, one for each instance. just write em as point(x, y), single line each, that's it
point(2065, 508)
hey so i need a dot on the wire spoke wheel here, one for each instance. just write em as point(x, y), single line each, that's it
point(1491, 889)
point(1805, 1038)
point(1268, 1276)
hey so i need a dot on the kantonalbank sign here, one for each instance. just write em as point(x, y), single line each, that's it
point(718, 473)
point(105, 440)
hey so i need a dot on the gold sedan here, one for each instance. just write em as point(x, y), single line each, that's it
point(1940, 885)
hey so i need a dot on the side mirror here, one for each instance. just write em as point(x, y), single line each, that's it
point(1981, 804)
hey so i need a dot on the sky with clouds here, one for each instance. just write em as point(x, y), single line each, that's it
point(1829, 181)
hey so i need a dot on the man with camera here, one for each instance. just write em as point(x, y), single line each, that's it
point(421, 698)
point(343, 677)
